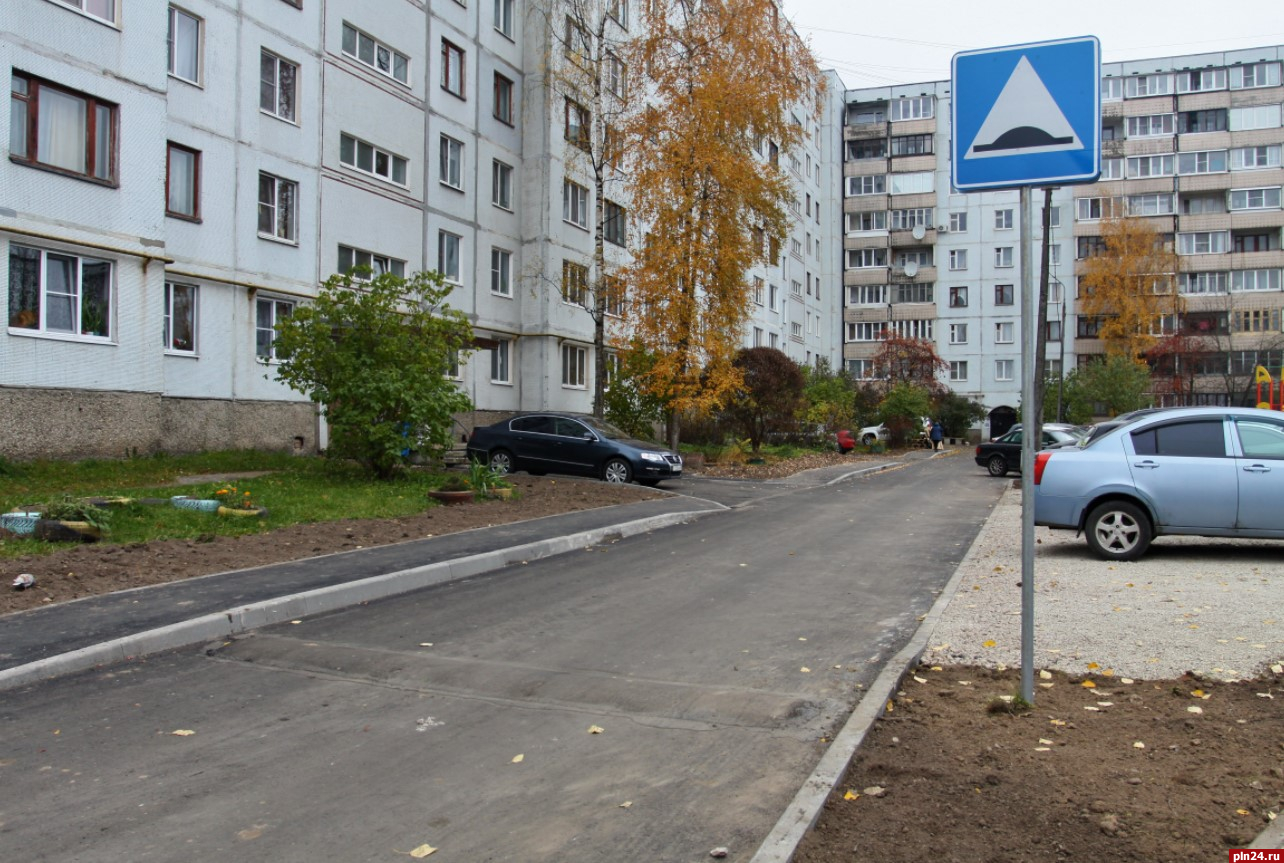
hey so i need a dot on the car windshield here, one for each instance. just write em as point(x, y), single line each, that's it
point(606, 430)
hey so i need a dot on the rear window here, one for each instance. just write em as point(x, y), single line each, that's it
point(543, 425)
point(1200, 439)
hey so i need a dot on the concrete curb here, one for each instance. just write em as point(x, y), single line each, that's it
point(233, 621)
point(802, 812)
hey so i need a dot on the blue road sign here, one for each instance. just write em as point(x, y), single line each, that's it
point(1027, 115)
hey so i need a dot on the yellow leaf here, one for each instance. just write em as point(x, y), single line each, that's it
point(182, 732)
point(1057, 721)
point(1088, 684)
point(1194, 709)
point(850, 795)
point(595, 729)
point(1139, 745)
point(1042, 749)
point(1197, 693)
point(1045, 742)
point(518, 759)
point(1045, 675)
point(1243, 812)
point(422, 851)
point(890, 706)
point(1109, 672)
point(989, 643)
point(920, 679)
point(805, 670)
point(626, 804)
point(1093, 665)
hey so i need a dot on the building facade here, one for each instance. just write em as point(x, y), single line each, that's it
point(158, 219)
point(1190, 143)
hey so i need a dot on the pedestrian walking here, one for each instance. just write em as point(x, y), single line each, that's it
point(938, 435)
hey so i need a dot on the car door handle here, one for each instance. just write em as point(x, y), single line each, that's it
point(1145, 464)
point(1257, 468)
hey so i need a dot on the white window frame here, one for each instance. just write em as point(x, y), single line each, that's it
point(1154, 204)
point(450, 256)
point(1203, 282)
point(1112, 168)
point(1254, 117)
point(1003, 257)
point(501, 185)
point(503, 20)
point(574, 204)
point(265, 336)
point(103, 10)
point(574, 364)
point(450, 168)
point(854, 222)
point(958, 223)
point(501, 272)
point(1267, 198)
point(1201, 80)
point(190, 315)
point(1157, 165)
point(273, 98)
point(913, 183)
point(71, 300)
point(859, 259)
point(185, 43)
point(374, 54)
point(1265, 74)
point(1202, 162)
point(501, 370)
point(454, 61)
point(871, 184)
point(1263, 156)
point(386, 166)
point(1005, 370)
point(280, 207)
point(958, 259)
point(912, 108)
point(1151, 125)
point(1203, 242)
point(351, 257)
point(1112, 89)
point(958, 371)
point(958, 334)
point(1004, 332)
point(1003, 220)
point(1266, 279)
point(1154, 84)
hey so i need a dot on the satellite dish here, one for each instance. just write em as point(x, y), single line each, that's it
point(911, 267)
point(919, 232)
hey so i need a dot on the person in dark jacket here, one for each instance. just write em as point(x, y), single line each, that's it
point(937, 434)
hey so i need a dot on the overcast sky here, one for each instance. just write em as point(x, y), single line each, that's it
point(873, 44)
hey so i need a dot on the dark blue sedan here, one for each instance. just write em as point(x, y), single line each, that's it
point(546, 442)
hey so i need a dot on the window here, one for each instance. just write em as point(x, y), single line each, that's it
point(913, 184)
point(1256, 321)
point(958, 334)
point(1192, 204)
point(268, 312)
point(912, 329)
point(1092, 209)
point(53, 292)
point(574, 204)
point(277, 83)
point(1199, 439)
point(369, 159)
point(904, 220)
point(1247, 158)
point(958, 370)
point(1005, 370)
point(873, 148)
point(1204, 162)
point(1002, 219)
point(860, 258)
point(501, 185)
point(914, 293)
point(1202, 243)
point(277, 201)
point(184, 45)
point(1201, 283)
point(795, 331)
point(577, 124)
point(1204, 79)
point(615, 74)
point(615, 223)
point(795, 288)
point(378, 56)
point(1003, 333)
point(504, 17)
point(574, 283)
point(1003, 256)
point(1255, 199)
point(1255, 75)
point(917, 108)
point(1163, 204)
point(377, 265)
point(182, 182)
point(772, 295)
point(1004, 295)
point(872, 221)
point(1151, 166)
point(1213, 120)
point(450, 170)
point(1052, 331)
point(757, 337)
point(448, 256)
point(871, 331)
point(867, 295)
point(452, 68)
point(1256, 242)
point(872, 185)
point(579, 44)
point(1148, 85)
point(499, 366)
point(501, 272)
point(614, 289)
point(912, 145)
point(861, 369)
point(104, 9)
point(61, 129)
point(619, 10)
point(1254, 280)
point(958, 298)
point(758, 290)
point(958, 223)
point(1260, 117)
point(1112, 169)
point(1150, 125)
point(1112, 89)
point(180, 318)
point(917, 257)
point(573, 364)
point(503, 98)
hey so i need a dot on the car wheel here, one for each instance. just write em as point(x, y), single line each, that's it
point(617, 470)
point(997, 465)
point(868, 440)
point(1118, 530)
point(501, 461)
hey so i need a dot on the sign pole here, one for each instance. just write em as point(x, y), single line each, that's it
point(1032, 431)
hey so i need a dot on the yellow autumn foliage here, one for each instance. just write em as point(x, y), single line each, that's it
point(1130, 285)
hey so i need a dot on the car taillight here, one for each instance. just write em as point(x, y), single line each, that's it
point(1040, 462)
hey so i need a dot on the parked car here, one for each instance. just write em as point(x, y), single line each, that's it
point(1096, 430)
point(1194, 471)
point(846, 443)
point(870, 434)
point(546, 442)
point(1004, 454)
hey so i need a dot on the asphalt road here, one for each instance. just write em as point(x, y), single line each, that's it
point(715, 657)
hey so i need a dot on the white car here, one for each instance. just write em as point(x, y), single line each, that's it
point(869, 434)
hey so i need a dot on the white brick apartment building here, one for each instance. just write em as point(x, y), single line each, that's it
point(180, 175)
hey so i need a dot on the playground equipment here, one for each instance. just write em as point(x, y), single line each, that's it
point(1274, 400)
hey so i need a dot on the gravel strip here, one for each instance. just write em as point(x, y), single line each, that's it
point(1212, 606)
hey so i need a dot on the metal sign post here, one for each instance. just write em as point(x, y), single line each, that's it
point(1022, 116)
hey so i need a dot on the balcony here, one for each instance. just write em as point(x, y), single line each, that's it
point(918, 236)
point(856, 131)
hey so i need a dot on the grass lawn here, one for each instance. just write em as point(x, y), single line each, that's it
point(298, 490)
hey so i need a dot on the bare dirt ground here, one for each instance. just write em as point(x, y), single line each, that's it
point(1113, 773)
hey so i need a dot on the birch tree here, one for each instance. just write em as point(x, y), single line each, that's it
point(1130, 286)
point(725, 82)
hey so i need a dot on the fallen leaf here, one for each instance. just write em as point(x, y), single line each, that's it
point(875, 791)
point(1045, 675)
point(1042, 749)
point(1109, 672)
point(805, 670)
point(1194, 709)
point(851, 795)
point(518, 759)
point(1197, 693)
point(296, 622)
point(1092, 666)
point(182, 732)
point(1057, 722)
point(425, 644)
point(1242, 812)
point(989, 643)
point(890, 706)
point(1126, 680)
point(1045, 742)
point(1088, 684)
point(422, 851)
point(595, 729)
point(626, 804)
point(1093, 709)
point(920, 679)
point(1105, 704)
point(1139, 745)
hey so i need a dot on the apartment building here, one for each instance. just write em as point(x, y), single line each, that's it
point(180, 176)
point(1190, 143)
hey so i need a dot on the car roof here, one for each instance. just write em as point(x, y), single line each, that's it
point(1146, 416)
